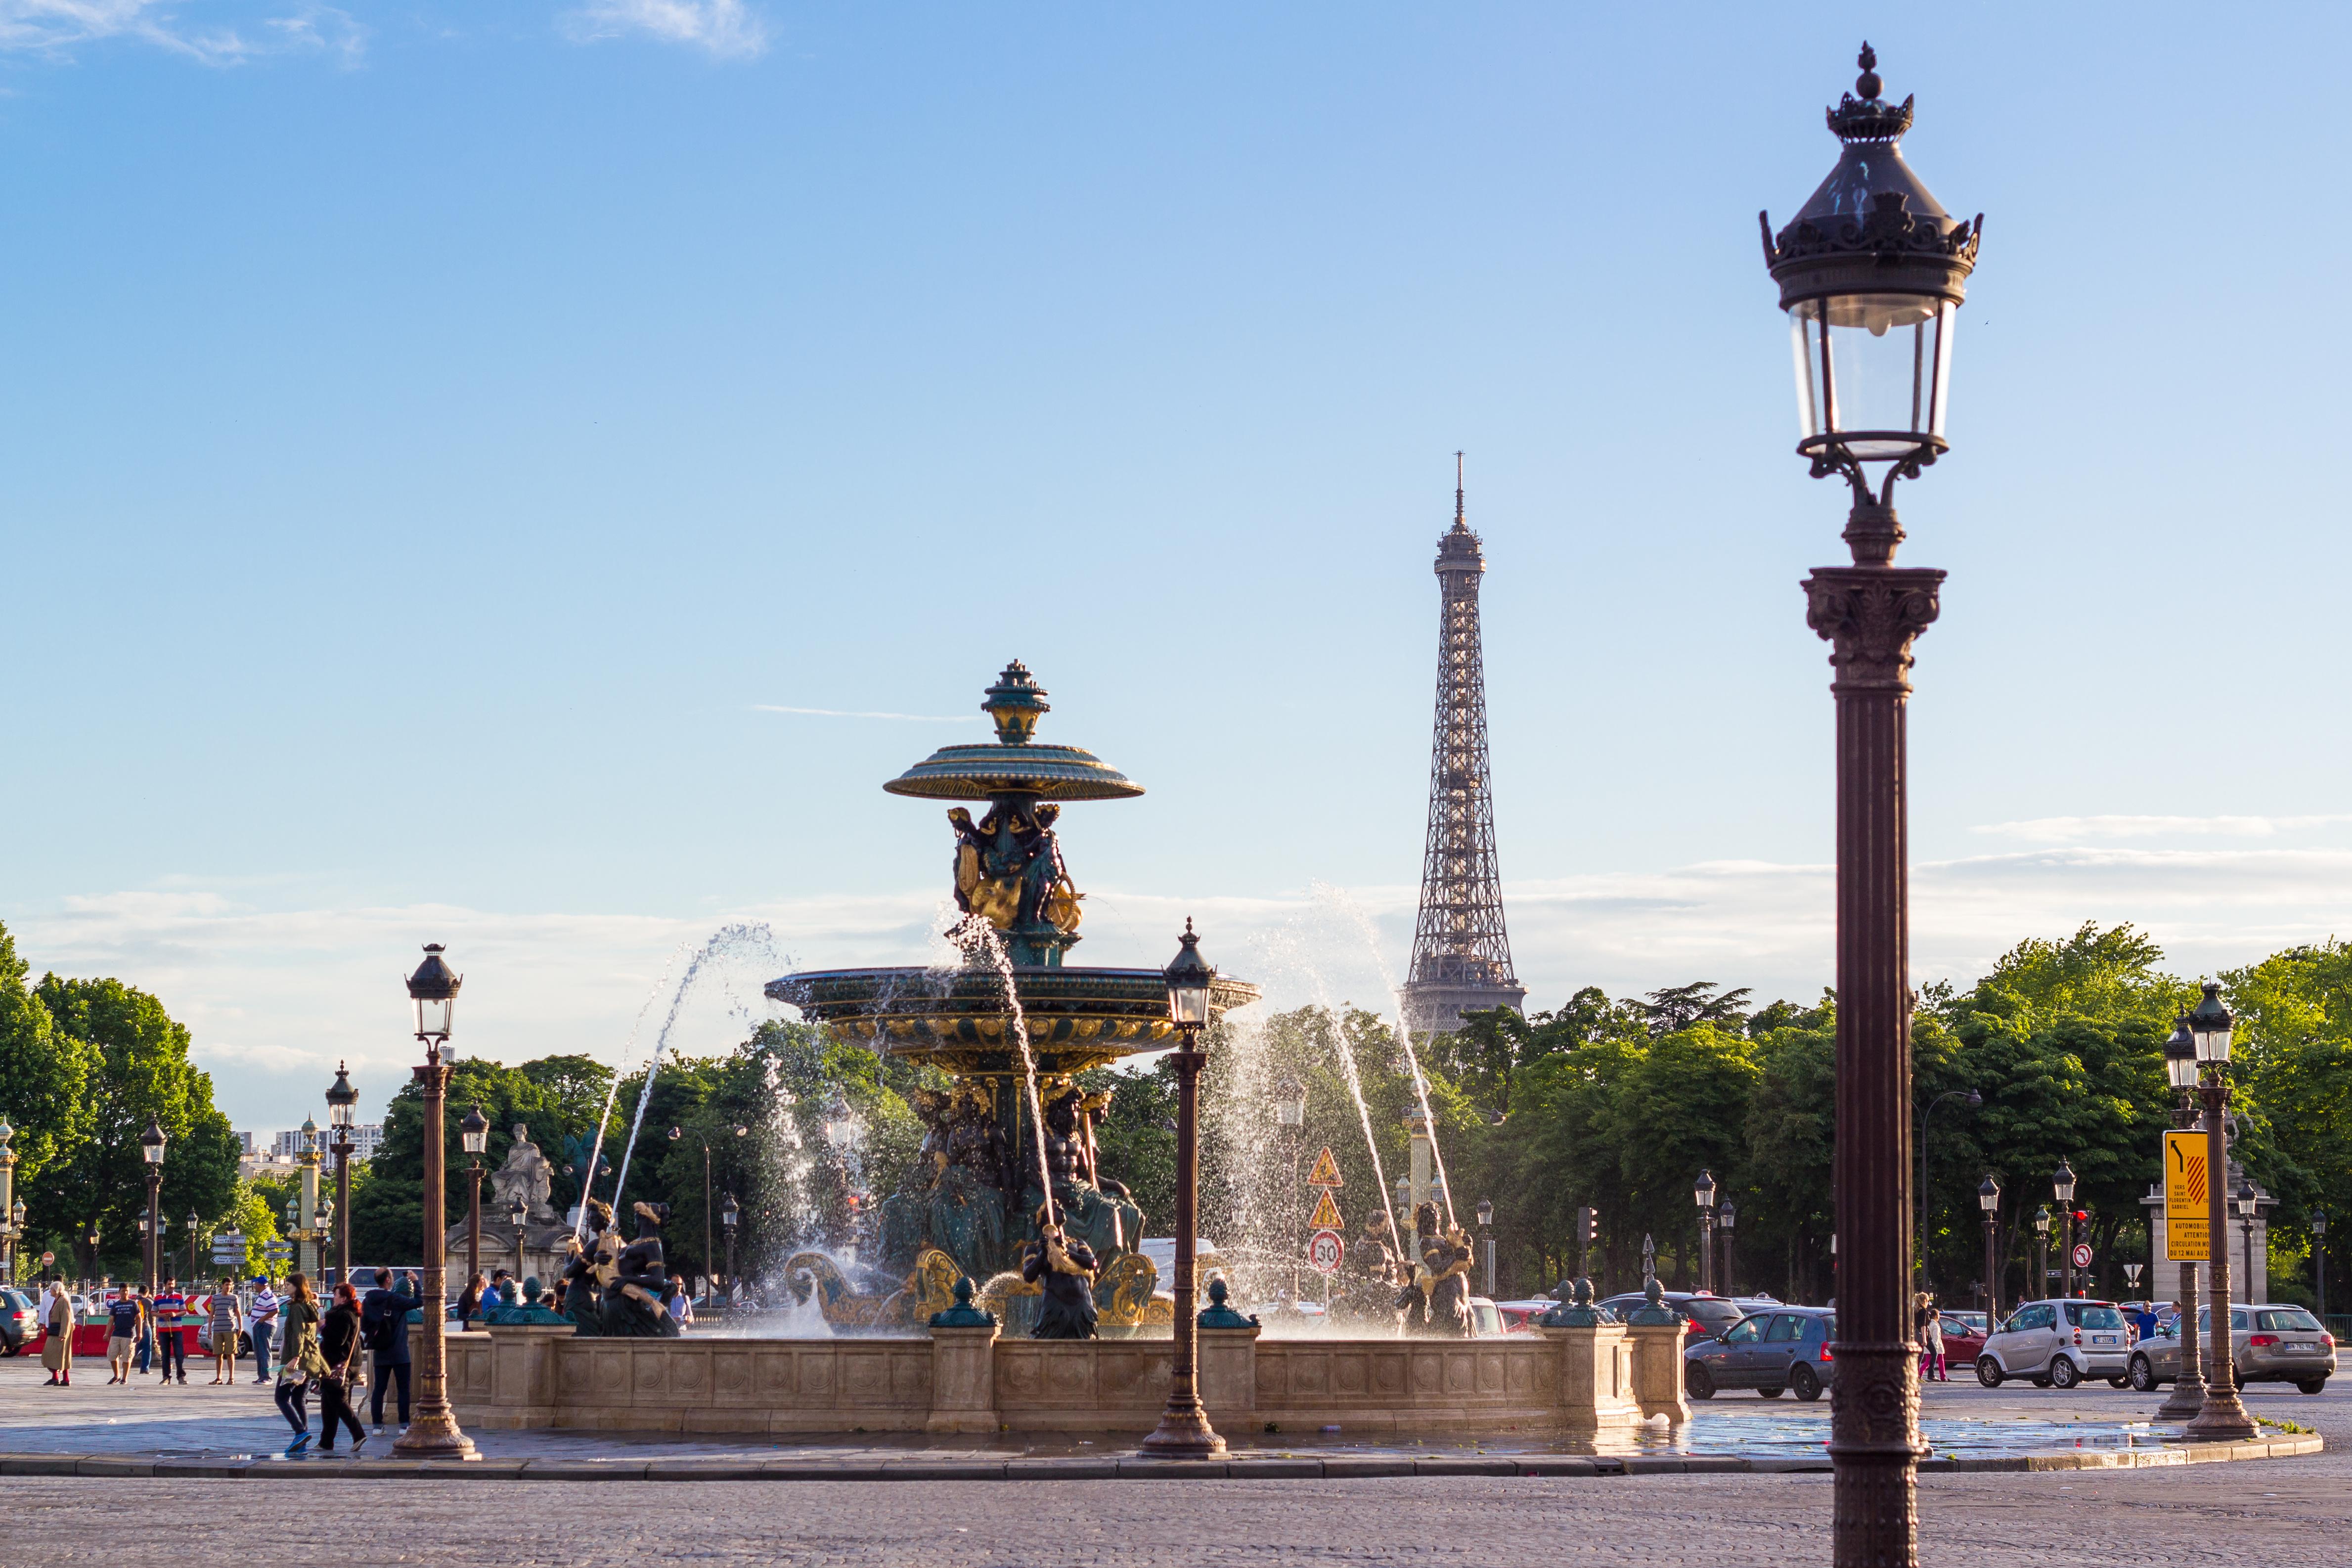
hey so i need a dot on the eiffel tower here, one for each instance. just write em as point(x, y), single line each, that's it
point(1461, 952)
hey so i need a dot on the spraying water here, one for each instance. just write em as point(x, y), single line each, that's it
point(976, 936)
point(613, 1089)
point(1354, 911)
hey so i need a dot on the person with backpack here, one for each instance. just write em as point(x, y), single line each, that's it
point(300, 1366)
point(384, 1325)
point(339, 1348)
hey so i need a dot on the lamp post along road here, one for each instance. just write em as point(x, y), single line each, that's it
point(150, 1153)
point(2318, 1261)
point(727, 1217)
point(2224, 1417)
point(1871, 273)
point(2249, 1205)
point(434, 1431)
point(1988, 1199)
point(1184, 1431)
point(342, 1103)
point(1702, 1194)
point(2063, 1185)
point(2188, 1395)
point(2041, 1286)
point(12, 1212)
point(473, 1136)
point(1729, 1283)
point(194, 1224)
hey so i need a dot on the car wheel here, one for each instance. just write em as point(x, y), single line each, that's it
point(1696, 1382)
point(2309, 1385)
point(1771, 1392)
point(2064, 1373)
point(1804, 1383)
point(2119, 1382)
point(2039, 1382)
point(1988, 1372)
point(2142, 1375)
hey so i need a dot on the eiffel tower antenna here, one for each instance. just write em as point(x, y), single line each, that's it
point(1461, 951)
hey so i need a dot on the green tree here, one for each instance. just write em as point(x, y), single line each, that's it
point(48, 1072)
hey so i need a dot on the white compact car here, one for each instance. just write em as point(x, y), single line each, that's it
point(2057, 1343)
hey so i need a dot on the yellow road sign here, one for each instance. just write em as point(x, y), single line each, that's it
point(1326, 1173)
point(2188, 1240)
point(2188, 1190)
point(1327, 1213)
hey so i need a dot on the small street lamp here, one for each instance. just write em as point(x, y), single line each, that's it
point(150, 1152)
point(342, 1108)
point(1703, 1193)
point(2040, 1252)
point(728, 1217)
point(2224, 1417)
point(1184, 1431)
point(1871, 274)
point(474, 1136)
point(2318, 1247)
point(519, 1216)
point(2248, 1207)
point(1724, 1221)
point(1487, 1239)
point(193, 1226)
point(433, 1432)
point(2063, 1183)
point(1988, 1199)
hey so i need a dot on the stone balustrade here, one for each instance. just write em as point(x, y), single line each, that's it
point(971, 1381)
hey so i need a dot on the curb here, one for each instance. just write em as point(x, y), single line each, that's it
point(1291, 1468)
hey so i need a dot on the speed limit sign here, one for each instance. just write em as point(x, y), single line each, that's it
point(2082, 1256)
point(1324, 1251)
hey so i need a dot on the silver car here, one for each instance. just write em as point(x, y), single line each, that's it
point(2267, 1344)
point(2057, 1343)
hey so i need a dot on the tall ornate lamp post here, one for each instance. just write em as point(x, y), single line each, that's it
point(1703, 1193)
point(519, 1216)
point(1724, 1221)
point(434, 1431)
point(194, 1225)
point(2188, 1395)
point(2318, 1249)
point(150, 1152)
point(728, 1217)
point(474, 1136)
point(2224, 1417)
point(343, 1105)
point(12, 1225)
point(1988, 1199)
point(1487, 1239)
point(2041, 1254)
point(1291, 1116)
point(2061, 1183)
point(1184, 1431)
point(1871, 273)
point(2249, 1205)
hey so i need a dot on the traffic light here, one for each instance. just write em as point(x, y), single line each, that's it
point(1588, 1227)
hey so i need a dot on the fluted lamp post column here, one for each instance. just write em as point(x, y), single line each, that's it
point(519, 1216)
point(2223, 1418)
point(150, 1153)
point(1184, 1431)
point(1988, 1199)
point(2041, 1254)
point(474, 1136)
point(2063, 1183)
point(12, 1222)
point(2188, 1395)
point(342, 1106)
point(2318, 1261)
point(1725, 1219)
point(1703, 1193)
point(1872, 272)
point(433, 1432)
point(195, 1226)
point(727, 1217)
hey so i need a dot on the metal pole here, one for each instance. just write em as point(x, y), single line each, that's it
point(2224, 1417)
point(710, 1293)
point(154, 1228)
point(2188, 1395)
point(1992, 1272)
point(1705, 1252)
point(473, 1227)
point(435, 1430)
point(1870, 611)
point(1730, 1273)
point(342, 1205)
point(1184, 1431)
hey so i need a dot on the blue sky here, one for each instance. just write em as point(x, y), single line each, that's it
point(437, 441)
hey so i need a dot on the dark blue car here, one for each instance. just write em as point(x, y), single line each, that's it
point(1785, 1348)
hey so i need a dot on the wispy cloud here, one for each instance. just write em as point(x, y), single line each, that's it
point(58, 27)
point(2075, 829)
point(845, 713)
point(726, 29)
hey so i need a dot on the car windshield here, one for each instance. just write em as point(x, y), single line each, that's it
point(2094, 1315)
point(2286, 1318)
point(1713, 1313)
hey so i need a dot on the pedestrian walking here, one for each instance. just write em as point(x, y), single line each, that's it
point(146, 1330)
point(299, 1365)
point(384, 1325)
point(170, 1336)
point(57, 1344)
point(678, 1303)
point(1927, 1329)
point(469, 1301)
point(122, 1334)
point(502, 1292)
point(261, 1323)
point(224, 1330)
point(339, 1345)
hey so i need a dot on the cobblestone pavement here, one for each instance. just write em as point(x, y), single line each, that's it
point(2276, 1514)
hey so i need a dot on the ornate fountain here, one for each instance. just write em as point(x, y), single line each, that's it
point(1012, 1028)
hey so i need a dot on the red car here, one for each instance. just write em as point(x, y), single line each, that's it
point(1962, 1343)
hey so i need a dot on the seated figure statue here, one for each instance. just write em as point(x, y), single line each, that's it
point(1065, 1272)
point(579, 1267)
point(1101, 1217)
point(632, 1304)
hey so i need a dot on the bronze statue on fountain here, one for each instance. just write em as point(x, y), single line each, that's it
point(986, 1167)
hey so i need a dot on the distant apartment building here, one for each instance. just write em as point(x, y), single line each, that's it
point(280, 1151)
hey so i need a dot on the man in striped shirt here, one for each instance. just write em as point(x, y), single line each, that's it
point(224, 1332)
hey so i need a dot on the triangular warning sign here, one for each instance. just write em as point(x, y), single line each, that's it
point(1327, 1213)
point(1326, 1173)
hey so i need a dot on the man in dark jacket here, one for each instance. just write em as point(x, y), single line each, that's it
point(383, 1327)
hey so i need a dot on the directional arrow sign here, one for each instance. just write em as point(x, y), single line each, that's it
point(1326, 1173)
point(1327, 1213)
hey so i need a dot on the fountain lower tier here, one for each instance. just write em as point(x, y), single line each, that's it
point(956, 1019)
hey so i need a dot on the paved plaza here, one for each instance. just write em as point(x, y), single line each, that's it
point(2277, 1512)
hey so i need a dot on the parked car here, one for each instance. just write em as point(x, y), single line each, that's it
point(1522, 1315)
point(1963, 1341)
point(1968, 1317)
point(20, 1322)
point(1787, 1348)
point(2267, 1344)
point(1708, 1314)
point(2057, 1343)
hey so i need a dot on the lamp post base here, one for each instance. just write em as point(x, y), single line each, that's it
point(434, 1436)
point(1184, 1434)
point(2185, 1403)
point(2223, 1420)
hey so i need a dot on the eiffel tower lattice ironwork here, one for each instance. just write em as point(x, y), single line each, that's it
point(1461, 951)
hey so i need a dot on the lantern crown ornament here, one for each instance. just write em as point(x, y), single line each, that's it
point(1872, 271)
